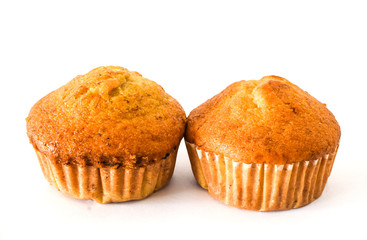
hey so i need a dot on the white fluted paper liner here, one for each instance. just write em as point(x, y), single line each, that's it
point(108, 184)
point(261, 187)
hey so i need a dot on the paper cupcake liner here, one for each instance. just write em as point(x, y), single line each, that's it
point(261, 187)
point(108, 184)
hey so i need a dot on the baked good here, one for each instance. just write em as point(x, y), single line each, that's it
point(109, 135)
point(262, 145)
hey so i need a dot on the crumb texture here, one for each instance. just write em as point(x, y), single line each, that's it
point(266, 121)
point(107, 117)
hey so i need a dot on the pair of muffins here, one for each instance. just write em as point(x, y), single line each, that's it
point(112, 136)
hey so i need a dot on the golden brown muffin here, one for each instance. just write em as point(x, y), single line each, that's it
point(262, 145)
point(109, 135)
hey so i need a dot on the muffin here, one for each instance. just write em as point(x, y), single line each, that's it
point(109, 135)
point(262, 145)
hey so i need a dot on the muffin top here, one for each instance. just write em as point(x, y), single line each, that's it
point(266, 121)
point(107, 117)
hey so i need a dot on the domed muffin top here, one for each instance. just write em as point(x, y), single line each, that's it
point(107, 117)
point(265, 121)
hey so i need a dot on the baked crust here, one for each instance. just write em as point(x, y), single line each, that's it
point(109, 117)
point(266, 121)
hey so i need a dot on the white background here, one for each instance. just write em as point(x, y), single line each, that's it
point(194, 49)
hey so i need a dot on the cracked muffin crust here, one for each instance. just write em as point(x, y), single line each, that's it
point(110, 116)
point(265, 121)
point(107, 118)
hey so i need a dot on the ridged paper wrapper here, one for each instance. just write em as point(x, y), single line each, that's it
point(109, 184)
point(260, 186)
